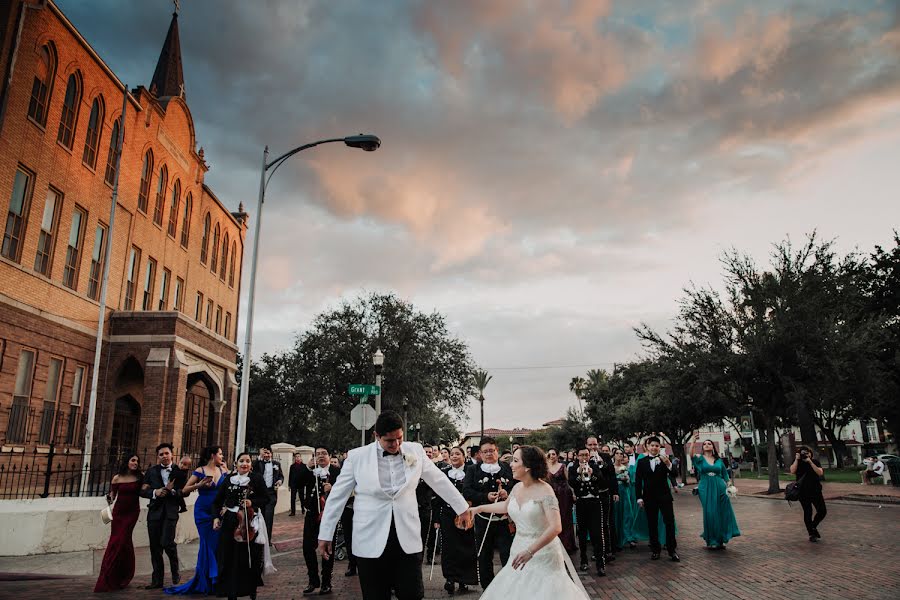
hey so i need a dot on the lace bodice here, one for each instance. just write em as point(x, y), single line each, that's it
point(529, 516)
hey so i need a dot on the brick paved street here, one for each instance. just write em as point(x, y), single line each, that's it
point(773, 559)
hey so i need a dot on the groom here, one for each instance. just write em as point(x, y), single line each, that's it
point(387, 541)
point(651, 488)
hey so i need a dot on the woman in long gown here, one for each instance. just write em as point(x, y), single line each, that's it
point(624, 509)
point(206, 480)
point(639, 524)
point(558, 478)
point(457, 545)
point(240, 562)
point(719, 522)
point(539, 565)
point(117, 568)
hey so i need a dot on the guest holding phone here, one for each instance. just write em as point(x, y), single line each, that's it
point(117, 569)
point(162, 487)
point(206, 480)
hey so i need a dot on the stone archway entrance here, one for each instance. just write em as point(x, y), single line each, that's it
point(199, 416)
point(126, 425)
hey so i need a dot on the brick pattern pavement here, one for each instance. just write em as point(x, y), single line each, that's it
point(773, 559)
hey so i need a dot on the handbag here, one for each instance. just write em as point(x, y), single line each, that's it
point(106, 513)
point(792, 490)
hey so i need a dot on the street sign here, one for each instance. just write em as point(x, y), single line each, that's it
point(362, 416)
point(361, 389)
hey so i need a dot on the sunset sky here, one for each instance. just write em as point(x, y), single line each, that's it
point(552, 174)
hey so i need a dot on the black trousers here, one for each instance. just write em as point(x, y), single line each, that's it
point(162, 539)
point(294, 493)
point(589, 517)
point(347, 526)
point(268, 511)
point(429, 534)
point(609, 530)
point(498, 538)
point(310, 543)
point(808, 502)
point(393, 570)
point(653, 509)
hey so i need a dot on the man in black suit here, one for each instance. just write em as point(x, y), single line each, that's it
point(274, 477)
point(162, 485)
point(651, 488)
point(316, 486)
point(487, 482)
point(296, 474)
point(586, 479)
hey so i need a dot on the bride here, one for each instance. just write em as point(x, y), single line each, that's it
point(538, 569)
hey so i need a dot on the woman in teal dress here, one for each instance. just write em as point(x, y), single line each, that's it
point(623, 510)
point(719, 523)
point(639, 525)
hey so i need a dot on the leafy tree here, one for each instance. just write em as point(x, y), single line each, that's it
point(482, 379)
point(572, 433)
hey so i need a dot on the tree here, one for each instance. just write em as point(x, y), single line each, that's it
point(424, 363)
point(482, 379)
point(572, 433)
point(578, 386)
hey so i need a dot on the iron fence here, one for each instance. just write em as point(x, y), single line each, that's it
point(44, 472)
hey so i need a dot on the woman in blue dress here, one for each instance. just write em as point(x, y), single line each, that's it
point(206, 480)
point(624, 509)
point(719, 523)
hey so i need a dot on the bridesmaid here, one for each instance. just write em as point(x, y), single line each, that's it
point(719, 523)
point(457, 545)
point(118, 560)
point(624, 509)
point(240, 563)
point(558, 479)
point(206, 480)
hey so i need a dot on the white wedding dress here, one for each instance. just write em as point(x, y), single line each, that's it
point(544, 577)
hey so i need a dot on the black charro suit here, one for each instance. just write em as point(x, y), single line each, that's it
point(652, 486)
point(162, 517)
point(312, 486)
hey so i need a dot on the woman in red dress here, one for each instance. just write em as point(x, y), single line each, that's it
point(118, 560)
point(558, 478)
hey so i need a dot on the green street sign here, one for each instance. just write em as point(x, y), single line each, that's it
point(361, 389)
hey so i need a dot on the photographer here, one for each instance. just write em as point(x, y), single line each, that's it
point(809, 475)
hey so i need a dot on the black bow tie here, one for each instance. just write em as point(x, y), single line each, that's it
point(167, 469)
point(386, 453)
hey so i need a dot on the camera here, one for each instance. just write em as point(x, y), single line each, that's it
point(804, 454)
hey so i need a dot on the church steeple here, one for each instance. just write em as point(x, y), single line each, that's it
point(168, 78)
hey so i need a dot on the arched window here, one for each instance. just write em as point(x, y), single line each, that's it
point(231, 265)
point(146, 176)
point(92, 140)
point(174, 209)
point(69, 117)
point(224, 266)
point(42, 86)
point(214, 261)
point(186, 221)
point(112, 157)
point(204, 243)
point(159, 207)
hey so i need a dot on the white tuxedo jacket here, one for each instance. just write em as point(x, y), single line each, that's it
point(373, 507)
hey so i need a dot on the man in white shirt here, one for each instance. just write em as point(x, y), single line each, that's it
point(874, 469)
point(274, 477)
point(387, 539)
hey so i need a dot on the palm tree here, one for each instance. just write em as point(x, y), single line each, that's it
point(481, 380)
point(578, 386)
point(597, 378)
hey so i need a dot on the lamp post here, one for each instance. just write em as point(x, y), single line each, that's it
point(369, 143)
point(378, 361)
point(405, 416)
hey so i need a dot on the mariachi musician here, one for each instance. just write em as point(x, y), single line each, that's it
point(315, 485)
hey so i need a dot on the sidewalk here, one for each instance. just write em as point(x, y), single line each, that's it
point(831, 491)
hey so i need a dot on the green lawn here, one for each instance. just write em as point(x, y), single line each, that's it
point(850, 475)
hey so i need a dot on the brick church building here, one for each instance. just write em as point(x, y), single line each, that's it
point(167, 371)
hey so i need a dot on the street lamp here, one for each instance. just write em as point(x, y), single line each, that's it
point(405, 415)
point(369, 143)
point(378, 361)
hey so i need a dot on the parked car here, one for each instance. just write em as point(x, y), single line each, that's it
point(886, 458)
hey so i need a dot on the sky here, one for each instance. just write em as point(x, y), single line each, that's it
point(553, 173)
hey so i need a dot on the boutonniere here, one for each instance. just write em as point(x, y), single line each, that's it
point(504, 480)
point(275, 467)
point(410, 460)
point(484, 480)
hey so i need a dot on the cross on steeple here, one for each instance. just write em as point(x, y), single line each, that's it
point(177, 5)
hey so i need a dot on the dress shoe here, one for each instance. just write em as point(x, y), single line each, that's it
point(450, 588)
point(351, 572)
point(601, 572)
point(310, 589)
point(176, 578)
point(674, 557)
point(654, 556)
point(813, 538)
point(153, 586)
point(610, 558)
point(463, 588)
point(326, 589)
point(816, 533)
point(291, 514)
point(583, 567)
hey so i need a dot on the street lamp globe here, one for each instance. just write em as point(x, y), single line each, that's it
point(378, 358)
point(369, 143)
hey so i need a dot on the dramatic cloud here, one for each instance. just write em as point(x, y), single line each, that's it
point(553, 172)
